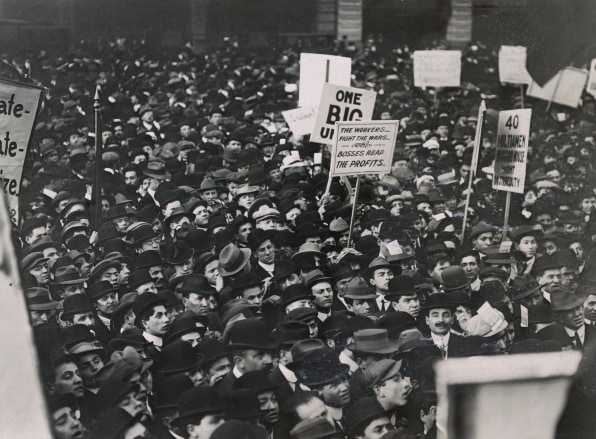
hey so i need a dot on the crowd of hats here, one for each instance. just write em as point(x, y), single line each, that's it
point(202, 177)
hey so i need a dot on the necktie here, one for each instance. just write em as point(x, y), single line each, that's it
point(578, 341)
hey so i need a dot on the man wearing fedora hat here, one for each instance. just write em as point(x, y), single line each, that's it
point(105, 299)
point(367, 420)
point(569, 313)
point(360, 297)
point(378, 274)
point(67, 282)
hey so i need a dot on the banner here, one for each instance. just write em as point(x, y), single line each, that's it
point(565, 88)
point(512, 65)
point(512, 150)
point(437, 68)
point(341, 104)
point(363, 147)
point(591, 85)
point(18, 108)
point(316, 70)
point(300, 120)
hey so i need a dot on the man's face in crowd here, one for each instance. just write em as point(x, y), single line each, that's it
point(396, 389)
point(578, 249)
point(36, 234)
point(470, 266)
point(215, 118)
point(269, 406)
point(573, 319)
point(89, 365)
point(206, 427)
point(66, 424)
point(158, 322)
point(377, 428)
point(209, 195)
point(266, 252)
point(105, 304)
point(381, 278)
point(409, 304)
point(483, 241)
point(323, 294)
point(254, 296)
point(436, 271)
point(147, 288)
point(39, 317)
point(84, 318)
point(150, 244)
point(184, 267)
point(337, 393)
point(568, 276)
point(549, 247)
point(588, 205)
point(201, 216)
point(363, 307)
point(67, 380)
point(111, 275)
point(218, 369)
point(246, 200)
point(590, 307)
point(156, 273)
point(550, 277)
point(197, 303)
point(528, 246)
point(40, 272)
point(439, 320)
point(256, 359)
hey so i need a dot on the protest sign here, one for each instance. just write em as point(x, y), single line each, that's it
point(363, 147)
point(300, 120)
point(512, 150)
point(564, 88)
point(591, 85)
point(18, 108)
point(341, 104)
point(316, 70)
point(437, 68)
point(512, 65)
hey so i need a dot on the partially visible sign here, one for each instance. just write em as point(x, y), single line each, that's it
point(316, 70)
point(18, 108)
point(300, 120)
point(565, 88)
point(591, 85)
point(512, 150)
point(363, 147)
point(437, 68)
point(341, 104)
point(512, 65)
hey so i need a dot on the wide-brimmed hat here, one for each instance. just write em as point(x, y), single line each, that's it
point(522, 231)
point(302, 349)
point(358, 289)
point(562, 298)
point(157, 170)
point(32, 259)
point(245, 189)
point(139, 232)
point(454, 278)
point(251, 334)
point(372, 341)
point(522, 287)
point(232, 259)
point(39, 300)
point(316, 276)
point(196, 283)
point(376, 264)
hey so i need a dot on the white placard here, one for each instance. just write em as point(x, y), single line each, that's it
point(511, 156)
point(565, 88)
point(300, 120)
point(316, 70)
point(437, 68)
point(341, 104)
point(363, 147)
point(512, 65)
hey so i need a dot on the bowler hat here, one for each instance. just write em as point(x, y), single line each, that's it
point(180, 253)
point(235, 428)
point(401, 285)
point(169, 389)
point(211, 350)
point(322, 367)
point(139, 277)
point(112, 391)
point(315, 428)
point(288, 333)
point(480, 229)
point(363, 411)
point(372, 341)
point(242, 404)
point(76, 304)
point(438, 300)
point(32, 223)
point(115, 212)
point(140, 232)
point(395, 323)
point(181, 326)
point(294, 293)
point(148, 259)
point(303, 314)
point(233, 259)
point(544, 263)
point(259, 236)
point(178, 356)
point(129, 337)
point(251, 334)
point(283, 269)
point(196, 403)
point(112, 424)
point(380, 371)
point(100, 289)
point(144, 302)
point(257, 380)
point(195, 283)
point(454, 278)
point(102, 266)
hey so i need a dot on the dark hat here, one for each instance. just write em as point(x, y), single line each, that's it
point(117, 211)
point(498, 255)
point(233, 259)
point(372, 341)
point(139, 277)
point(540, 313)
point(480, 229)
point(181, 326)
point(401, 285)
point(149, 258)
point(358, 289)
point(315, 428)
point(112, 424)
point(381, 371)
point(303, 314)
point(454, 278)
point(180, 253)
point(256, 238)
point(522, 287)
point(522, 231)
point(363, 411)
point(102, 266)
point(178, 356)
point(32, 223)
point(302, 349)
point(288, 333)
point(257, 380)
point(294, 293)
point(284, 269)
point(562, 298)
point(211, 350)
point(169, 389)
point(322, 367)
point(144, 302)
point(169, 196)
point(242, 404)
point(76, 304)
point(438, 300)
point(197, 402)
point(316, 276)
point(39, 300)
point(76, 334)
point(546, 262)
point(100, 289)
point(195, 283)
point(235, 428)
point(251, 334)
point(129, 337)
point(112, 391)
point(43, 243)
point(31, 260)
point(376, 264)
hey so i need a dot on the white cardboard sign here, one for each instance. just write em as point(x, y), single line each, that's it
point(341, 104)
point(565, 88)
point(437, 68)
point(363, 147)
point(316, 70)
point(512, 150)
point(512, 65)
point(300, 120)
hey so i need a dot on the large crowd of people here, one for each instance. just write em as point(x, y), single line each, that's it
point(222, 292)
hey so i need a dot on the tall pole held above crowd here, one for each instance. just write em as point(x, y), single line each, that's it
point(98, 164)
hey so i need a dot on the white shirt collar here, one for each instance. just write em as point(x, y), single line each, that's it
point(440, 340)
point(581, 332)
point(237, 372)
point(157, 341)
